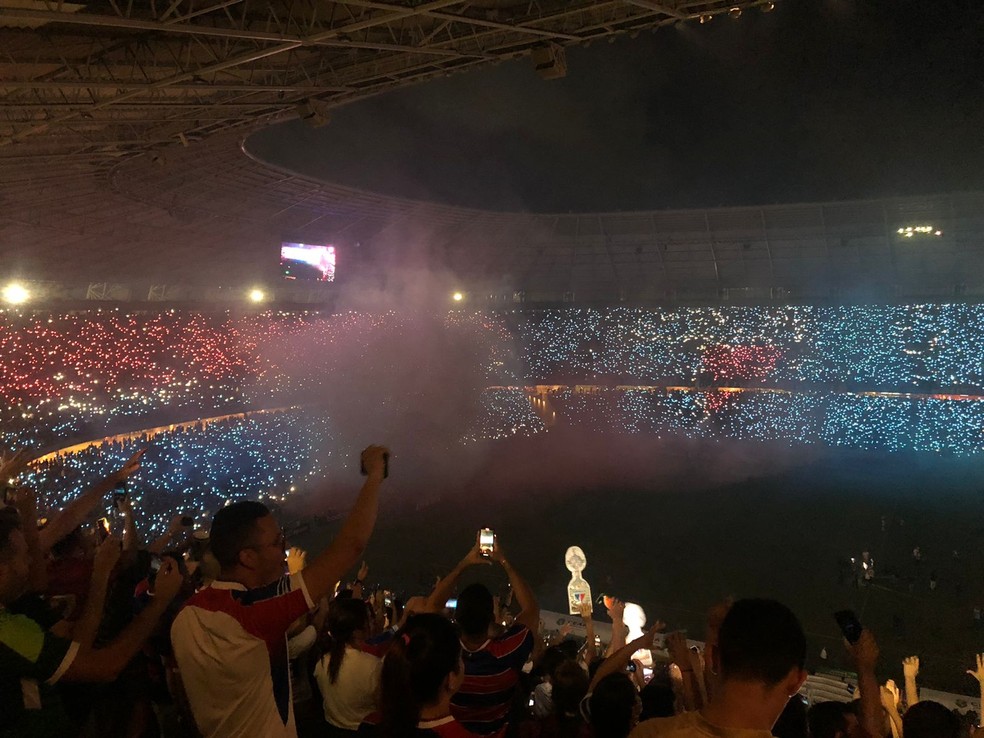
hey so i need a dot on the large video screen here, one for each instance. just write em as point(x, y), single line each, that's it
point(307, 262)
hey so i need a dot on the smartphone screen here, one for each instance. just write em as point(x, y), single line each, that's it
point(849, 624)
point(451, 604)
point(486, 541)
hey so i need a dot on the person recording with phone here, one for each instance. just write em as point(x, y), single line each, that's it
point(492, 664)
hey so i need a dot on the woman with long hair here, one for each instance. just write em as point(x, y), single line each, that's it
point(421, 671)
point(347, 676)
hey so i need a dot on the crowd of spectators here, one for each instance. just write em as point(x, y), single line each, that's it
point(198, 467)
point(226, 631)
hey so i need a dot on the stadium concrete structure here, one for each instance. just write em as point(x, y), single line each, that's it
point(125, 171)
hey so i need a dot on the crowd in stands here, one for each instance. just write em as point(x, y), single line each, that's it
point(199, 467)
point(227, 631)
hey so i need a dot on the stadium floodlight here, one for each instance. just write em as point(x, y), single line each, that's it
point(16, 294)
point(257, 295)
point(457, 297)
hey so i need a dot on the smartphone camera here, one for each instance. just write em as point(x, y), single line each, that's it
point(119, 494)
point(486, 541)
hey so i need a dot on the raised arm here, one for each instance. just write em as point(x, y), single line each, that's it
point(864, 653)
point(350, 543)
point(445, 586)
point(87, 626)
point(620, 630)
point(105, 664)
point(25, 501)
point(76, 511)
point(620, 659)
point(910, 667)
point(890, 702)
point(529, 613)
point(590, 650)
point(681, 655)
point(131, 538)
point(978, 674)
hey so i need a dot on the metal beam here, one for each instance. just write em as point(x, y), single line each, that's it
point(658, 7)
point(200, 87)
point(132, 24)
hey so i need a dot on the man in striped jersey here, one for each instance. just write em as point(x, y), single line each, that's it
point(492, 664)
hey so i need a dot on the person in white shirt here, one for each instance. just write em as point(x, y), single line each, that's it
point(348, 676)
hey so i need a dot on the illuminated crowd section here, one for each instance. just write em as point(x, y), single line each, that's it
point(196, 470)
point(887, 347)
point(795, 374)
point(858, 421)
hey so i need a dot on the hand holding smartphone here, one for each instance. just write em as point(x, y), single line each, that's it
point(486, 542)
point(849, 624)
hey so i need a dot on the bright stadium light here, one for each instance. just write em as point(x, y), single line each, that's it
point(257, 295)
point(457, 297)
point(15, 294)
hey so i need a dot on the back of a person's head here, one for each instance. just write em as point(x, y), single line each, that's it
point(658, 699)
point(827, 719)
point(551, 659)
point(761, 641)
point(345, 617)
point(69, 544)
point(9, 522)
point(612, 705)
point(570, 684)
point(929, 719)
point(792, 722)
point(233, 529)
point(424, 652)
point(475, 610)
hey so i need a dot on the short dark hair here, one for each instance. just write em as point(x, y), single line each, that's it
point(827, 719)
point(233, 528)
point(611, 706)
point(928, 719)
point(760, 640)
point(475, 610)
point(9, 522)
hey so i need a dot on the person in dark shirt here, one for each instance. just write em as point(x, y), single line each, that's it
point(421, 672)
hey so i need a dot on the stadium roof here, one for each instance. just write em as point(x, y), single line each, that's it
point(121, 157)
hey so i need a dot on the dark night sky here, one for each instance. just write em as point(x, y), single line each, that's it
point(819, 100)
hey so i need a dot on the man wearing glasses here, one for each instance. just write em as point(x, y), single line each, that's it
point(230, 639)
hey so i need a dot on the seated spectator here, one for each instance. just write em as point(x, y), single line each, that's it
point(33, 660)
point(420, 674)
point(492, 665)
point(760, 655)
point(347, 676)
point(230, 640)
point(929, 719)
